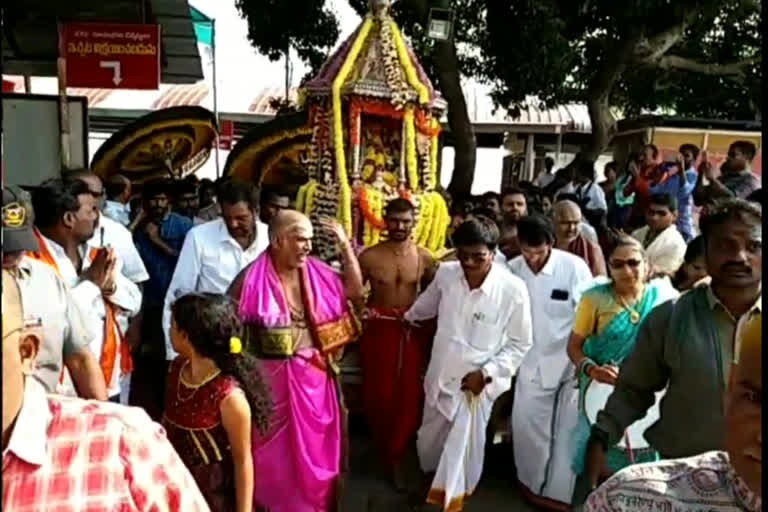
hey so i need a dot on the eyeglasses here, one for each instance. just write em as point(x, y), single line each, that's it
point(618, 264)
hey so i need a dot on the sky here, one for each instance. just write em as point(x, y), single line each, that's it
point(242, 73)
point(238, 64)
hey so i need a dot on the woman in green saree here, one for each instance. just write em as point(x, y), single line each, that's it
point(608, 319)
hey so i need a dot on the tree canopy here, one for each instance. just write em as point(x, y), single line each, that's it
point(693, 57)
point(698, 58)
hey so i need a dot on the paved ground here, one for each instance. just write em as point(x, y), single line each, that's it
point(368, 490)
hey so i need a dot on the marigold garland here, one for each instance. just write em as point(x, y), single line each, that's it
point(371, 202)
point(345, 193)
point(376, 107)
point(300, 197)
point(393, 72)
point(440, 218)
point(427, 124)
point(372, 208)
point(410, 149)
point(405, 62)
point(306, 196)
point(425, 220)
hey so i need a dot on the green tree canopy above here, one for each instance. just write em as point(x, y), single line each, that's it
point(696, 58)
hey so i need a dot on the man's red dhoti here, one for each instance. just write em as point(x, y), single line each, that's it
point(393, 358)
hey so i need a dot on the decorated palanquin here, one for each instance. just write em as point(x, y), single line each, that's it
point(372, 134)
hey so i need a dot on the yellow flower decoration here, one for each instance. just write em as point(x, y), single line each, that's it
point(405, 61)
point(345, 205)
point(235, 345)
point(410, 149)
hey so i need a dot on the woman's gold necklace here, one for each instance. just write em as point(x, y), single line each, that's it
point(634, 315)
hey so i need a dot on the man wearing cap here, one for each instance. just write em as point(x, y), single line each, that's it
point(46, 297)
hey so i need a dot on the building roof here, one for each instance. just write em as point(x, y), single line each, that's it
point(563, 119)
point(572, 117)
point(30, 42)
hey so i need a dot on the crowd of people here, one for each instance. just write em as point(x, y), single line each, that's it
point(620, 322)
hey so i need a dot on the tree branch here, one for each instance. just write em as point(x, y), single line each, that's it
point(651, 49)
point(704, 68)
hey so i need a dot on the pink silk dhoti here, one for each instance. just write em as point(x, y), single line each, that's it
point(297, 463)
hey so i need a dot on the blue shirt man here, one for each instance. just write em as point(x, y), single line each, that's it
point(159, 240)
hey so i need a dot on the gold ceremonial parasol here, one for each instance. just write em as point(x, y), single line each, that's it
point(273, 153)
point(169, 143)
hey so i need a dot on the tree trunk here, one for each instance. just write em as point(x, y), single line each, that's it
point(599, 94)
point(603, 127)
point(465, 145)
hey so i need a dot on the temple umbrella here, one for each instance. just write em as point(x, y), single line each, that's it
point(169, 143)
point(273, 153)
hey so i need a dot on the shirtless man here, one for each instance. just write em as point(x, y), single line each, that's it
point(393, 355)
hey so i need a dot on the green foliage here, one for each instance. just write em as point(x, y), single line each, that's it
point(563, 50)
point(412, 16)
point(306, 25)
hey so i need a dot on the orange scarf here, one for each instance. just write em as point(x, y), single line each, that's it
point(113, 338)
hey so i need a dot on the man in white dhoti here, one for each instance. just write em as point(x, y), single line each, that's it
point(483, 333)
point(664, 245)
point(546, 394)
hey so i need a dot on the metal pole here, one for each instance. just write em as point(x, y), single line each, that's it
point(215, 98)
point(61, 69)
point(287, 72)
point(530, 157)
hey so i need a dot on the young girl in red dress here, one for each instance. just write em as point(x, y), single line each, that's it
point(215, 396)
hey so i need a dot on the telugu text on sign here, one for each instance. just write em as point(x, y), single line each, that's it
point(124, 56)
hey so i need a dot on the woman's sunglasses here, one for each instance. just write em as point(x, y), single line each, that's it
point(618, 264)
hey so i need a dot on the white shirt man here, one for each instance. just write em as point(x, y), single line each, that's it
point(590, 195)
point(88, 296)
point(118, 212)
point(485, 330)
point(110, 233)
point(546, 399)
point(209, 261)
point(664, 245)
